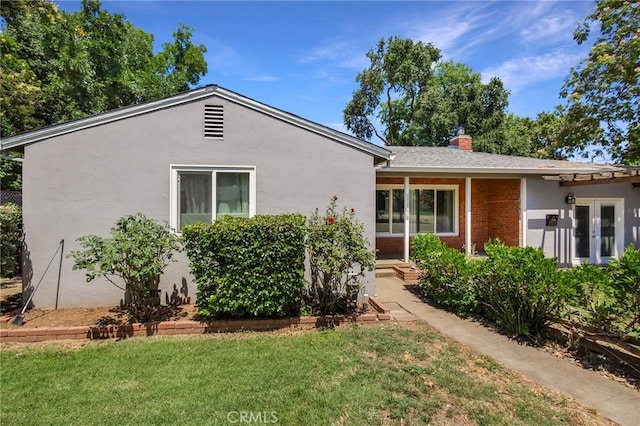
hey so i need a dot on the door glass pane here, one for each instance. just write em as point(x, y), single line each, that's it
point(232, 194)
point(382, 210)
point(607, 230)
point(422, 210)
point(583, 234)
point(445, 211)
point(398, 211)
point(195, 198)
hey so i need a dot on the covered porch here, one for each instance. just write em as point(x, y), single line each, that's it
point(465, 212)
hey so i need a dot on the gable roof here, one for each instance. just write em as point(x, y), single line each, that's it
point(451, 160)
point(208, 91)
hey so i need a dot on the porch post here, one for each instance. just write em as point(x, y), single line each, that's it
point(523, 211)
point(467, 219)
point(406, 218)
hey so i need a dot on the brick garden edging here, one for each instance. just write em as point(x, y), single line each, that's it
point(186, 327)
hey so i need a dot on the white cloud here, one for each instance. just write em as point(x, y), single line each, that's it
point(555, 27)
point(341, 53)
point(263, 78)
point(520, 72)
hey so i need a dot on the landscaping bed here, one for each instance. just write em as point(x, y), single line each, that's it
point(112, 322)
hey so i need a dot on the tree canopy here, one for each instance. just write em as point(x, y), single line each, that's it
point(420, 100)
point(59, 66)
point(603, 91)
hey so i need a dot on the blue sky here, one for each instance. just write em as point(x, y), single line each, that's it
point(303, 57)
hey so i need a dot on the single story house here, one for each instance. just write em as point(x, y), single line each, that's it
point(209, 152)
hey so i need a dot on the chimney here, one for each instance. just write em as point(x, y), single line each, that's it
point(461, 141)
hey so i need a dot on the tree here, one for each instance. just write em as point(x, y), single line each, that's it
point(137, 253)
point(91, 61)
point(419, 100)
point(603, 91)
point(523, 136)
point(58, 66)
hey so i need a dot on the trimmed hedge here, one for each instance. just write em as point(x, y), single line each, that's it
point(11, 240)
point(248, 267)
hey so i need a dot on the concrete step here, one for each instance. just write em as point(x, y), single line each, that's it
point(390, 263)
point(385, 272)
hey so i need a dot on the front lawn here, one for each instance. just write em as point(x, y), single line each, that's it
point(375, 375)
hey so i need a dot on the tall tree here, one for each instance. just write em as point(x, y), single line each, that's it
point(603, 91)
point(92, 60)
point(523, 136)
point(58, 66)
point(417, 100)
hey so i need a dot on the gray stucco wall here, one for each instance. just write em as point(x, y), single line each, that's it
point(81, 183)
point(546, 197)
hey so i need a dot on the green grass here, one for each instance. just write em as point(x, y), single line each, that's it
point(361, 376)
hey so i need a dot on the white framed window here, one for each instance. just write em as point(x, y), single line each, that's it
point(205, 193)
point(433, 209)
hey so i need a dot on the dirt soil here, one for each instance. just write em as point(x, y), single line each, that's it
point(11, 304)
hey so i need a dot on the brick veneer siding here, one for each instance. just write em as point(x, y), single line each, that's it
point(495, 213)
point(503, 204)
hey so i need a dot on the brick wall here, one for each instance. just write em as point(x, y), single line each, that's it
point(504, 206)
point(495, 213)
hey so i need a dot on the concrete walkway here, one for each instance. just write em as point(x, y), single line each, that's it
point(612, 400)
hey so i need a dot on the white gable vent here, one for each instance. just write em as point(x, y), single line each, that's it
point(213, 121)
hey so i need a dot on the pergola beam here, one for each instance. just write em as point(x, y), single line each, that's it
point(600, 181)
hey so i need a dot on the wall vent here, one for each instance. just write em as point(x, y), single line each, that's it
point(213, 121)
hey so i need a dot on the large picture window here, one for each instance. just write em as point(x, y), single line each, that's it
point(205, 193)
point(432, 209)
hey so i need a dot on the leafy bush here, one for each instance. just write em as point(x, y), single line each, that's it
point(137, 253)
point(338, 258)
point(590, 293)
point(447, 274)
point(248, 267)
point(625, 274)
point(11, 237)
point(519, 288)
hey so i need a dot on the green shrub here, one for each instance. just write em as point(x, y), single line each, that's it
point(447, 274)
point(590, 293)
point(248, 267)
point(625, 274)
point(338, 258)
point(11, 240)
point(137, 253)
point(519, 288)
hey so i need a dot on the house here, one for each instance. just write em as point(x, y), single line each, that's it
point(211, 152)
point(193, 156)
point(576, 212)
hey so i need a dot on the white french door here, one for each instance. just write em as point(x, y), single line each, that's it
point(598, 233)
